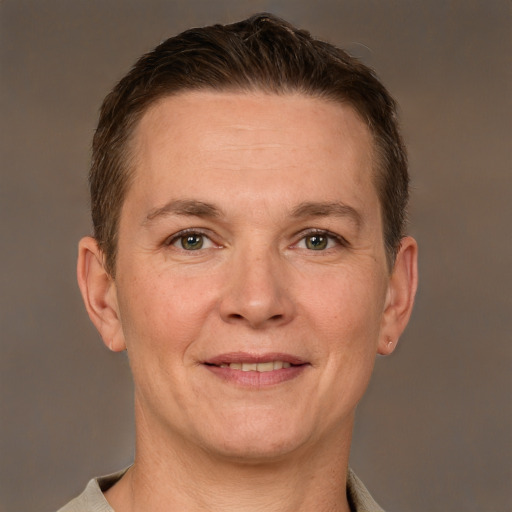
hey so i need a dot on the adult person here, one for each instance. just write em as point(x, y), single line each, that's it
point(248, 191)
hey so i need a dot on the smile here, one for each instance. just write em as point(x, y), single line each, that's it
point(256, 371)
point(257, 367)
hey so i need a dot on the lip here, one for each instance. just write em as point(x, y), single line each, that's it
point(255, 379)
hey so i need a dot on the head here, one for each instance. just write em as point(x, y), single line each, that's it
point(249, 187)
point(262, 53)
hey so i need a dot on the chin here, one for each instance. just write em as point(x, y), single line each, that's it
point(259, 451)
point(258, 442)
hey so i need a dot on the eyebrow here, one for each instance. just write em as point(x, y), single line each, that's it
point(321, 209)
point(190, 207)
point(187, 207)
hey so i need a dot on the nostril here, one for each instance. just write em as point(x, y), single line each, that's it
point(238, 317)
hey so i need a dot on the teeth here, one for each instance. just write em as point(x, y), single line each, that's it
point(257, 367)
point(265, 367)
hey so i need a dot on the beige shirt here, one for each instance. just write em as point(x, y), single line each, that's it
point(93, 500)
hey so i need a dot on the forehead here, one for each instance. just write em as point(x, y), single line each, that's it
point(211, 112)
point(296, 143)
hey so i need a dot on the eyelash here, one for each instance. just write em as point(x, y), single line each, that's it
point(338, 239)
point(173, 239)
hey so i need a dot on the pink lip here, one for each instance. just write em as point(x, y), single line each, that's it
point(255, 379)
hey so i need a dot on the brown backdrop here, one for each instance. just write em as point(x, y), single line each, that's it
point(434, 431)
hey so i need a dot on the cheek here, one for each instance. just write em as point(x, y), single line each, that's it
point(346, 304)
point(162, 312)
point(348, 323)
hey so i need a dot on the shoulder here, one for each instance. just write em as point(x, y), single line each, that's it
point(359, 498)
point(92, 498)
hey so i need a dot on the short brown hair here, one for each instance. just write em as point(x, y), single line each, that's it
point(263, 53)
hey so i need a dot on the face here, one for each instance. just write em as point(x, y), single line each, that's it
point(251, 286)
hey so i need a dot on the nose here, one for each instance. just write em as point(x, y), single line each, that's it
point(258, 290)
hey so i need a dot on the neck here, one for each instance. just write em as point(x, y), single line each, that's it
point(172, 475)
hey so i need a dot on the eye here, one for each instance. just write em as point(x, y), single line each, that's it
point(190, 241)
point(316, 242)
point(320, 241)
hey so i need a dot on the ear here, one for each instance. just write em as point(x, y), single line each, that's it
point(400, 295)
point(99, 293)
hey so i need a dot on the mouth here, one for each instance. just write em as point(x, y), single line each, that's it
point(256, 370)
point(267, 366)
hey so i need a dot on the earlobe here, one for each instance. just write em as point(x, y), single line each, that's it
point(99, 294)
point(400, 296)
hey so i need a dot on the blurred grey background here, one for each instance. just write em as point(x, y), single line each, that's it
point(434, 430)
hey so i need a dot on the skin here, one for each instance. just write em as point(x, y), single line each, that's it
point(275, 172)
